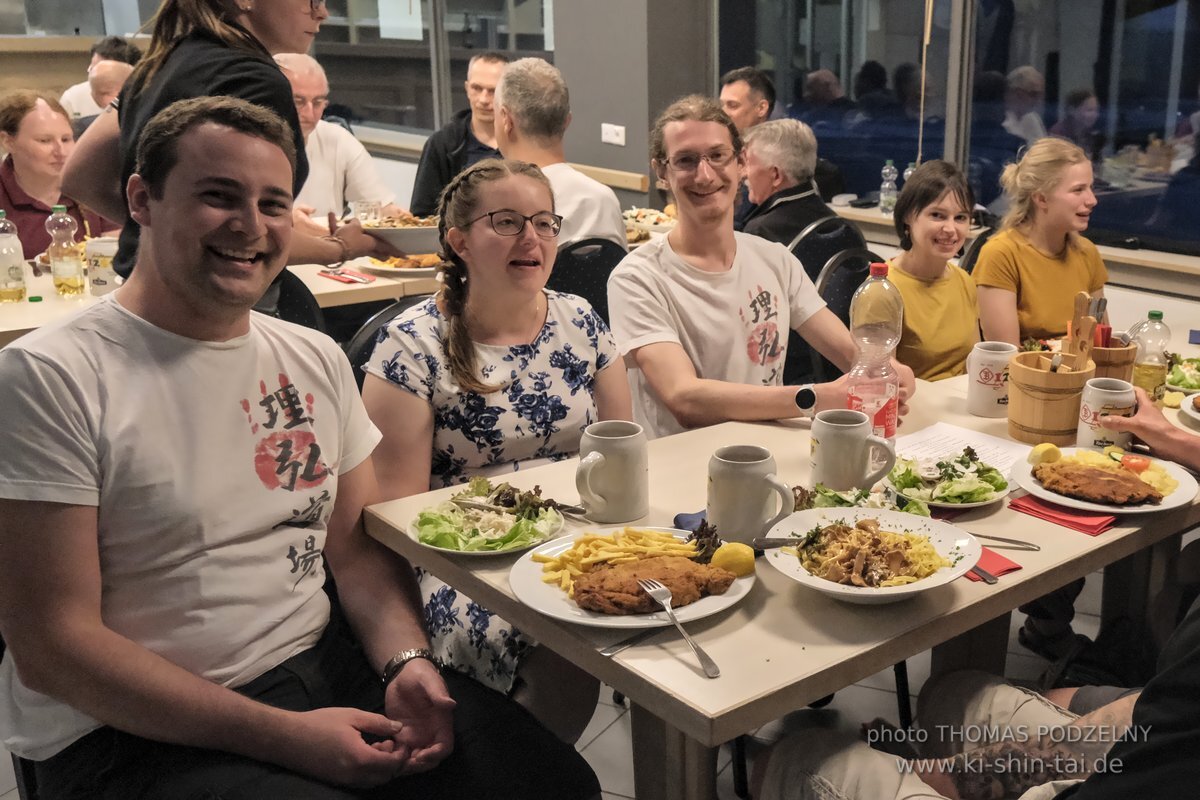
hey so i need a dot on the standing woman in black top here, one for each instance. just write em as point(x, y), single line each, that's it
point(198, 48)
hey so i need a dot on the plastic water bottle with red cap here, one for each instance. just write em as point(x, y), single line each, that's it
point(876, 322)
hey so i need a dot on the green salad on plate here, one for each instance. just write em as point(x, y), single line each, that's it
point(512, 520)
point(1185, 374)
point(953, 480)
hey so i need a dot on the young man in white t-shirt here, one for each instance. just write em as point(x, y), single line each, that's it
point(702, 315)
point(176, 472)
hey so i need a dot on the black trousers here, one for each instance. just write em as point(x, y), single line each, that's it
point(500, 750)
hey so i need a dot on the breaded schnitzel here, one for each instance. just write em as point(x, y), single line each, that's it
point(615, 590)
point(1118, 487)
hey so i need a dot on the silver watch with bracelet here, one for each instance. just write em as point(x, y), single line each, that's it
point(393, 667)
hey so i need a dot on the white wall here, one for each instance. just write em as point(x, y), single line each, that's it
point(399, 175)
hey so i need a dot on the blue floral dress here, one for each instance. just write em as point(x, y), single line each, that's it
point(538, 415)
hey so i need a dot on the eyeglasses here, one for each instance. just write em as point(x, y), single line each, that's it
point(690, 162)
point(318, 103)
point(510, 223)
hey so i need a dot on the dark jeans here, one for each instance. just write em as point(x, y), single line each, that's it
point(500, 751)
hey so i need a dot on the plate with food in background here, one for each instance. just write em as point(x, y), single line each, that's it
point(1185, 376)
point(955, 480)
point(650, 219)
point(590, 578)
point(871, 556)
point(406, 234)
point(487, 519)
point(424, 265)
point(1190, 408)
point(1110, 482)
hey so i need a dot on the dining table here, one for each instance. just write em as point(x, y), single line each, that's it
point(784, 645)
point(18, 319)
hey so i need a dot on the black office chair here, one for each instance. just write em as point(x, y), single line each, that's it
point(838, 280)
point(362, 344)
point(583, 268)
point(297, 304)
point(814, 246)
point(971, 254)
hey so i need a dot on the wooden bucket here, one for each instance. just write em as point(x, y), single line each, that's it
point(1114, 362)
point(1043, 406)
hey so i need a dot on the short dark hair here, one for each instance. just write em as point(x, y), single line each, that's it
point(115, 48)
point(693, 107)
point(758, 81)
point(158, 151)
point(925, 186)
point(487, 57)
point(1077, 97)
point(871, 77)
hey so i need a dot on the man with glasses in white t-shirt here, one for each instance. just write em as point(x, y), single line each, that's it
point(702, 315)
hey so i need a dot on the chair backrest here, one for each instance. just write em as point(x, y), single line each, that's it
point(297, 304)
point(822, 239)
point(839, 279)
point(971, 254)
point(362, 344)
point(583, 268)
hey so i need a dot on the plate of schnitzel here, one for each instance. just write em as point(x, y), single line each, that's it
point(612, 589)
point(1090, 481)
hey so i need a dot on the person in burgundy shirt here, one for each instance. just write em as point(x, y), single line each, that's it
point(36, 132)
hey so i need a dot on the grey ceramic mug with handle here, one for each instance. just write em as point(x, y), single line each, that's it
point(742, 489)
point(844, 450)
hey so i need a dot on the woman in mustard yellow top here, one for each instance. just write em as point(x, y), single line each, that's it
point(941, 316)
point(1029, 273)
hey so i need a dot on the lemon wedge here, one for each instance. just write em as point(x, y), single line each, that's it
point(736, 557)
point(1172, 399)
point(1044, 453)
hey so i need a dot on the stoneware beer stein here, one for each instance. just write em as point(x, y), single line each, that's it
point(613, 477)
point(1104, 396)
point(987, 379)
point(844, 451)
point(742, 488)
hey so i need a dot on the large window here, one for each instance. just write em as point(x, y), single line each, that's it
point(1120, 77)
point(402, 63)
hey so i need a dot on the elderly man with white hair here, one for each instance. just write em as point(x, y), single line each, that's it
point(533, 110)
point(781, 157)
point(1024, 96)
point(340, 169)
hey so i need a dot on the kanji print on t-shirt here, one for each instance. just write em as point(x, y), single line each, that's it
point(765, 342)
point(287, 457)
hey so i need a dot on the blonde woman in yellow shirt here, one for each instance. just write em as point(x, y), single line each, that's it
point(1029, 273)
point(941, 316)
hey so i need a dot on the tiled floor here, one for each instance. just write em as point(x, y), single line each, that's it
point(606, 742)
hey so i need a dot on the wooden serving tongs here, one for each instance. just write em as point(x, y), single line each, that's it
point(1083, 328)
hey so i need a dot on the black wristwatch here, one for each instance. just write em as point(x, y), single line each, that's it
point(806, 400)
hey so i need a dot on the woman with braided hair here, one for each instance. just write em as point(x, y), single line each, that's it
point(493, 374)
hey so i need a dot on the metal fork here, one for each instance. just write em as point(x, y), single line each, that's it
point(662, 595)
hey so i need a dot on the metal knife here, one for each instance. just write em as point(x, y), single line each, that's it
point(767, 542)
point(638, 637)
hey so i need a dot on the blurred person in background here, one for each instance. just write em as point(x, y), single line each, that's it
point(941, 312)
point(36, 133)
point(469, 137)
point(1024, 98)
point(747, 96)
point(825, 103)
point(1029, 272)
point(208, 48)
point(340, 170)
point(1078, 124)
point(533, 111)
point(105, 80)
point(78, 100)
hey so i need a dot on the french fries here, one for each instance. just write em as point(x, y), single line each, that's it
point(592, 549)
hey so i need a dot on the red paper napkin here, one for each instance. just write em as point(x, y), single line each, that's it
point(993, 562)
point(1090, 523)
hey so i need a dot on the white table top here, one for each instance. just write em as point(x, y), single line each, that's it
point(784, 645)
point(18, 319)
